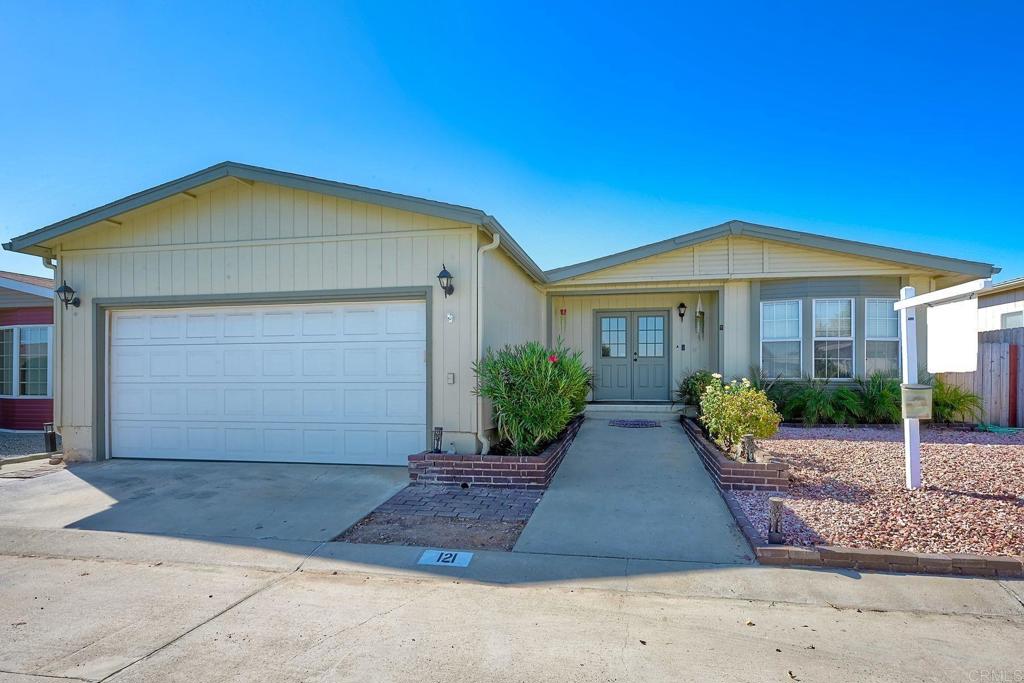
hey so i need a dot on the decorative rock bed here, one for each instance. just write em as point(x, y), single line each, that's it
point(847, 505)
point(516, 471)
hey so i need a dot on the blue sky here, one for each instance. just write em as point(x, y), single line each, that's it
point(585, 129)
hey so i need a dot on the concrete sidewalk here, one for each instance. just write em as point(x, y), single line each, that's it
point(634, 493)
point(109, 609)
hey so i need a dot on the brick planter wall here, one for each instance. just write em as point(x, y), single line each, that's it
point(731, 475)
point(515, 471)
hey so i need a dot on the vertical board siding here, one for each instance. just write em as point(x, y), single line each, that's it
point(235, 239)
point(512, 308)
point(576, 327)
point(992, 379)
point(736, 335)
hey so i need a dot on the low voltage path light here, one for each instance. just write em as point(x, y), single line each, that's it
point(67, 295)
point(445, 278)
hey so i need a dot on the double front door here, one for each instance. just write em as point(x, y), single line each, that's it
point(631, 359)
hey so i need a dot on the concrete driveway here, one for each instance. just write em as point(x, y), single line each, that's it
point(637, 494)
point(201, 499)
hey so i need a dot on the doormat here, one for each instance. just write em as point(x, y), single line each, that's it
point(634, 424)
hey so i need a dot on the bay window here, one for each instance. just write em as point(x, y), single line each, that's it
point(881, 338)
point(833, 339)
point(25, 361)
point(781, 345)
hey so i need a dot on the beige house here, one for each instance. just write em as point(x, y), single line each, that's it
point(1002, 306)
point(241, 313)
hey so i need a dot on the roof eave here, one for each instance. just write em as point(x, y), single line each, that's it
point(928, 261)
point(31, 243)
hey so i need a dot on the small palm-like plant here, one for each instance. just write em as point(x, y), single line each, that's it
point(880, 398)
point(535, 392)
point(951, 403)
point(820, 403)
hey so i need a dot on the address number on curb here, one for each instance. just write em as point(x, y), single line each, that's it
point(445, 558)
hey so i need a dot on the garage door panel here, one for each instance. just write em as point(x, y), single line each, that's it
point(302, 402)
point(342, 322)
point(341, 383)
point(368, 444)
point(401, 361)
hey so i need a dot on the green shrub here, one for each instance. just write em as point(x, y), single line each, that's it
point(950, 403)
point(535, 392)
point(731, 410)
point(880, 397)
point(818, 402)
point(692, 387)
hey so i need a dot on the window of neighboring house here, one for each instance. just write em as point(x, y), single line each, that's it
point(781, 343)
point(881, 338)
point(34, 361)
point(25, 361)
point(7, 362)
point(833, 338)
point(1010, 320)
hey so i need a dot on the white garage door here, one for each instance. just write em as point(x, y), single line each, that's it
point(322, 383)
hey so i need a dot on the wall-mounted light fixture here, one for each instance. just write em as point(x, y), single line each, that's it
point(445, 278)
point(681, 309)
point(67, 295)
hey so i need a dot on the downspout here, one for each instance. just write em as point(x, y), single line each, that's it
point(48, 262)
point(485, 443)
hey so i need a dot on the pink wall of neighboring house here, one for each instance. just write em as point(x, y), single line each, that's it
point(26, 413)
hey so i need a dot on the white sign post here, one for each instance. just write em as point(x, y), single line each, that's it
point(908, 351)
point(911, 426)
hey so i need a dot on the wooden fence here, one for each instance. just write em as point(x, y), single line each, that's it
point(999, 379)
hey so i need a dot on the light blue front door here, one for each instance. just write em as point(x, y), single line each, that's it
point(631, 358)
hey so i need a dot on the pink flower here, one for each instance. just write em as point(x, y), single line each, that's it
point(552, 358)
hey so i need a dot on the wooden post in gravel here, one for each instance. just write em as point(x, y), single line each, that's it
point(747, 447)
point(775, 520)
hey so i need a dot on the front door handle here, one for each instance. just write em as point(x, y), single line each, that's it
point(634, 356)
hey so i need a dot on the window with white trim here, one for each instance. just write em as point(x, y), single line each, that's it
point(25, 361)
point(781, 345)
point(1008, 321)
point(881, 338)
point(833, 339)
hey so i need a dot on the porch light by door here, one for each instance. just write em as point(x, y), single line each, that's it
point(681, 308)
point(67, 295)
point(445, 278)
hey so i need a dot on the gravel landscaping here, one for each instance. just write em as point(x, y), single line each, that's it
point(14, 444)
point(848, 490)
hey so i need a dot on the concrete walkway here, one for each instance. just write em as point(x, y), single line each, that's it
point(634, 493)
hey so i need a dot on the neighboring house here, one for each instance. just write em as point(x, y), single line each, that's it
point(26, 330)
point(242, 313)
point(1002, 306)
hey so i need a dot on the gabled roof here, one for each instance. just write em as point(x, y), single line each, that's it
point(27, 284)
point(766, 232)
point(31, 242)
point(37, 280)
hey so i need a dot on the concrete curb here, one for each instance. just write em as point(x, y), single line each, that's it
point(24, 458)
